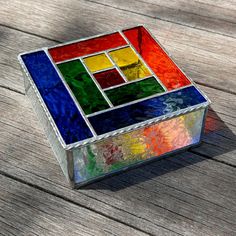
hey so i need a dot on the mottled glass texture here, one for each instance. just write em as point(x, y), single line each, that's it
point(95, 90)
point(156, 58)
point(133, 91)
point(83, 87)
point(67, 117)
point(128, 149)
point(85, 47)
point(129, 63)
point(109, 78)
point(145, 110)
point(116, 100)
point(97, 62)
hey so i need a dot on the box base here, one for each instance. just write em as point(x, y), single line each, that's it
point(130, 150)
point(134, 166)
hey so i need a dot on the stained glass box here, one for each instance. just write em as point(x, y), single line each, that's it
point(111, 102)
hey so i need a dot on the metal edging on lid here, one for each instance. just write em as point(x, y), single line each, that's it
point(121, 130)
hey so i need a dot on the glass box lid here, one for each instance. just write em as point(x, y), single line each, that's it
point(108, 84)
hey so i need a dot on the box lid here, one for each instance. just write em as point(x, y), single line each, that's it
point(109, 84)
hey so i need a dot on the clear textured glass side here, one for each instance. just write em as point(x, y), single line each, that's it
point(126, 150)
point(58, 150)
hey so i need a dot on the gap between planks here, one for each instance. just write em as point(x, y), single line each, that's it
point(159, 18)
point(58, 41)
point(71, 201)
point(41, 203)
point(54, 41)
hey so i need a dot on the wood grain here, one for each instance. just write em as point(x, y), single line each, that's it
point(192, 193)
point(189, 181)
point(202, 15)
point(29, 211)
point(197, 52)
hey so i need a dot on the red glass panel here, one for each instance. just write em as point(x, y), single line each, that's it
point(156, 58)
point(85, 47)
point(109, 78)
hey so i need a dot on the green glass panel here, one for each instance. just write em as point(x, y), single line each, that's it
point(133, 91)
point(83, 87)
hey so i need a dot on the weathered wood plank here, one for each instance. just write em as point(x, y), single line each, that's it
point(187, 194)
point(202, 189)
point(201, 15)
point(219, 141)
point(25, 210)
point(207, 57)
point(11, 75)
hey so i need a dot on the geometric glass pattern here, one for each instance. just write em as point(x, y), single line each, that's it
point(82, 86)
point(102, 85)
point(112, 101)
point(156, 58)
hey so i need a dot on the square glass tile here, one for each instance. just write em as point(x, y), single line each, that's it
point(109, 78)
point(97, 62)
point(129, 63)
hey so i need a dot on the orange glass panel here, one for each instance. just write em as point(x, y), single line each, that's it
point(156, 58)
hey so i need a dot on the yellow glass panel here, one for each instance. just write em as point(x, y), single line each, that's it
point(129, 63)
point(98, 62)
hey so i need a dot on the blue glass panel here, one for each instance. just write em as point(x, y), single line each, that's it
point(56, 97)
point(144, 110)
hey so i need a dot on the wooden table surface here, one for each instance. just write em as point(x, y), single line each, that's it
point(192, 193)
